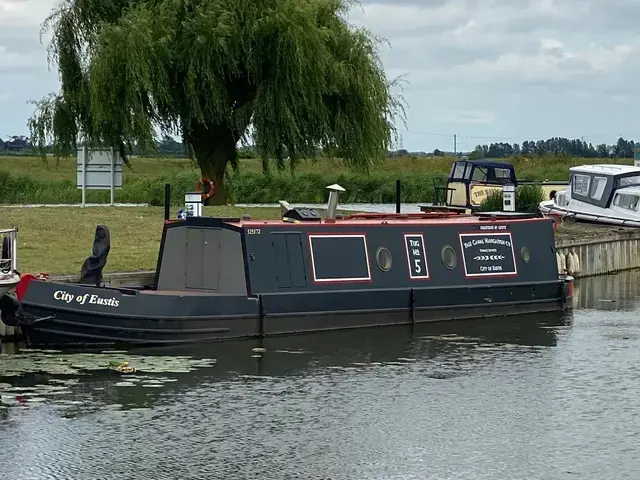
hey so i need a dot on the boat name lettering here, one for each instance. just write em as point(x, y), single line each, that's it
point(253, 231)
point(90, 298)
point(480, 193)
point(487, 241)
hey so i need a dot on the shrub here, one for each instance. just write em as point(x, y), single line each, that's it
point(528, 198)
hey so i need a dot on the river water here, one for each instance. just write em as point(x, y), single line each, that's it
point(538, 397)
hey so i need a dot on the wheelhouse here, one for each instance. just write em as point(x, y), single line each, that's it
point(607, 186)
point(482, 171)
point(469, 182)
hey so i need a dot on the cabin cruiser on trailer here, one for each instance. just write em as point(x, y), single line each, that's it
point(599, 193)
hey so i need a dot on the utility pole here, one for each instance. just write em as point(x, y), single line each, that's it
point(455, 145)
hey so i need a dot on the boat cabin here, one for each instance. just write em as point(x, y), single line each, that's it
point(605, 186)
point(467, 183)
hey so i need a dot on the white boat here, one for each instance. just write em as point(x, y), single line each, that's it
point(607, 194)
point(9, 276)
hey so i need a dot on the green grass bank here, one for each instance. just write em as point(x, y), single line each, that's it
point(30, 180)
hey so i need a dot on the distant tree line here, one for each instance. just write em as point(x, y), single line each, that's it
point(16, 143)
point(556, 146)
point(169, 147)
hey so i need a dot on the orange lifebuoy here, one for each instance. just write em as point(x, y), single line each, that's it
point(212, 188)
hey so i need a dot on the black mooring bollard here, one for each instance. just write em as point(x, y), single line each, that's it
point(167, 200)
point(398, 196)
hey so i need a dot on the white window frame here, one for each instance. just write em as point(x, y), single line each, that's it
point(600, 184)
point(583, 192)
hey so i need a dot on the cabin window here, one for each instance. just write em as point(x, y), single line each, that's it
point(479, 175)
point(339, 258)
point(626, 201)
point(383, 257)
point(597, 187)
point(581, 184)
point(449, 257)
point(628, 181)
point(502, 173)
point(525, 254)
point(457, 170)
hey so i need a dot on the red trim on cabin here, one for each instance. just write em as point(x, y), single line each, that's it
point(424, 252)
point(337, 280)
point(488, 275)
point(399, 216)
point(355, 223)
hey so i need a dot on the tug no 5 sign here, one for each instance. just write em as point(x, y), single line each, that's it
point(488, 254)
point(416, 256)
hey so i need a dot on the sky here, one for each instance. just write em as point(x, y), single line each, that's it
point(484, 70)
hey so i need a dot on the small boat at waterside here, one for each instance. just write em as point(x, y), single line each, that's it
point(470, 182)
point(607, 194)
point(224, 278)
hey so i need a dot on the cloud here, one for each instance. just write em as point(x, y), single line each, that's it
point(483, 69)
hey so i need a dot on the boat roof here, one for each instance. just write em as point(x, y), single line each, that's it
point(607, 169)
point(486, 218)
point(489, 163)
point(633, 189)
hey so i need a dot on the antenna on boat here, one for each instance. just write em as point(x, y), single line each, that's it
point(332, 204)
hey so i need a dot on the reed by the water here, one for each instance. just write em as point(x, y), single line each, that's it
point(30, 180)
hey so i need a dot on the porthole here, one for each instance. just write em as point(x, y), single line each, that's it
point(383, 257)
point(525, 255)
point(449, 257)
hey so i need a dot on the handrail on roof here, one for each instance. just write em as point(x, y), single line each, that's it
point(616, 168)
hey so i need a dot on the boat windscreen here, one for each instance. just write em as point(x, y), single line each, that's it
point(631, 181)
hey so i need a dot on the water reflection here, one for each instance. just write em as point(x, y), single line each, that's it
point(530, 397)
point(609, 292)
point(80, 383)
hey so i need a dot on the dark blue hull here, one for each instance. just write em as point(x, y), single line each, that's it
point(152, 318)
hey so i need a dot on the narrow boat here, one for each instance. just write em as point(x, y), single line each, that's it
point(9, 276)
point(608, 194)
point(224, 278)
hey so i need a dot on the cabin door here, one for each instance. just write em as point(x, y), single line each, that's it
point(203, 254)
point(288, 261)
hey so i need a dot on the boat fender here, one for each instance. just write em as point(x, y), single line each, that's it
point(576, 262)
point(563, 263)
point(211, 190)
point(12, 314)
point(569, 260)
point(558, 263)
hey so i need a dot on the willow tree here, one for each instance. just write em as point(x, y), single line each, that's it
point(291, 74)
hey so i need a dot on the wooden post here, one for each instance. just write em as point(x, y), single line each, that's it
point(167, 200)
point(84, 175)
point(113, 176)
point(398, 196)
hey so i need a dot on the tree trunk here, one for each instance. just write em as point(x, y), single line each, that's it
point(214, 147)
